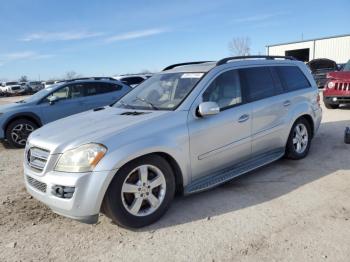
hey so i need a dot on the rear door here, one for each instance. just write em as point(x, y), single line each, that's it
point(103, 93)
point(265, 93)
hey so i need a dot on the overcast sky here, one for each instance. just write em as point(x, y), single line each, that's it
point(48, 38)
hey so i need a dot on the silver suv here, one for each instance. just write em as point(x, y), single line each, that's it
point(188, 128)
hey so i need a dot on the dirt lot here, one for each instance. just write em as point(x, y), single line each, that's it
point(287, 211)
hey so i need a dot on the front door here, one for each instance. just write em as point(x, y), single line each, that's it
point(70, 101)
point(220, 140)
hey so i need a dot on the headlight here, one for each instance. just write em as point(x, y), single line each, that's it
point(330, 84)
point(81, 159)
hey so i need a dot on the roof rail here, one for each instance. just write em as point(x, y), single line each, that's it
point(267, 57)
point(92, 78)
point(187, 63)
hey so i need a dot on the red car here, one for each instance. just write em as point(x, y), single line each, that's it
point(337, 88)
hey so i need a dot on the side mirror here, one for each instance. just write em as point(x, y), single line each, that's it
point(53, 99)
point(208, 109)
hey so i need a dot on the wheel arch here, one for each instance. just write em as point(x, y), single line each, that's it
point(171, 161)
point(29, 116)
point(310, 120)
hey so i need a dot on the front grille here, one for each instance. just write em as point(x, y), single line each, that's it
point(37, 158)
point(342, 86)
point(36, 184)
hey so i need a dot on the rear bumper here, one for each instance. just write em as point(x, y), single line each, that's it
point(317, 119)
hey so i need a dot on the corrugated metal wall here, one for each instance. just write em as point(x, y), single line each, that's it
point(337, 48)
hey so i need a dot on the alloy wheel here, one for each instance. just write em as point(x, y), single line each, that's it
point(20, 133)
point(300, 138)
point(143, 190)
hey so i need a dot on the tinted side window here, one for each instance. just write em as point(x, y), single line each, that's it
point(106, 88)
point(225, 90)
point(101, 88)
point(292, 77)
point(258, 83)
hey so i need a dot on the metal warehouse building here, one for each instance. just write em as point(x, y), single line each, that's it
point(336, 48)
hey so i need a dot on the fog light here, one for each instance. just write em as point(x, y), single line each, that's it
point(335, 99)
point(63, 191)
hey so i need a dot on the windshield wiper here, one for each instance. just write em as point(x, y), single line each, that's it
point(20, 102)
point(147, 102)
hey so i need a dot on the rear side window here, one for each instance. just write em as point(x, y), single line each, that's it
point(292, 78)
point(258, 83)
point(101, 88)
point(106, 88)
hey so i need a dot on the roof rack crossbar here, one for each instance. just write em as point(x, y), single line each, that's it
point(267, 57)
point(187, 63)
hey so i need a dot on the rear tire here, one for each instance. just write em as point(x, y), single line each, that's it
point(299, 140)
point(140, 192)
point(18, 131)
point(331, 106)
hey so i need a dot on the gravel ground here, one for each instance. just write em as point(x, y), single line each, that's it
point(286, 211)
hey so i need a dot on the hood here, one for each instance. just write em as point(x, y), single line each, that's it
point(88, 127)
point(10, 107)
point(340, 75)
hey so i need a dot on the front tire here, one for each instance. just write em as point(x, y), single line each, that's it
point(140, 192)
point(18, 131)
point(299, 140)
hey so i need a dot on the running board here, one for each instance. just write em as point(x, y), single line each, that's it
point(228, 174)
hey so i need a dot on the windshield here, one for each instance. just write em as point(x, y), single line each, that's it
point(347, 66)
point(160, 92)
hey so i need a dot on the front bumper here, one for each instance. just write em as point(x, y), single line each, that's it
point(336, 100)
point(87, 198)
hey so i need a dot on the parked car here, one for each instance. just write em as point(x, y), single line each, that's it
point(133, 80)
point(6, 87)
point(19, 119)
point(18, 89)
point(319, 69)
point(47, 84)
point(189, 128)
point(337, 89)
point(36, 86)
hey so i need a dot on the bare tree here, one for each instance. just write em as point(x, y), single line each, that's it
point(71, 75)
point(23, 79)
point(240, 46)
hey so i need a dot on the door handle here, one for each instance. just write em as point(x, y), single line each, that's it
point(243, 118)
point(286, 103)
